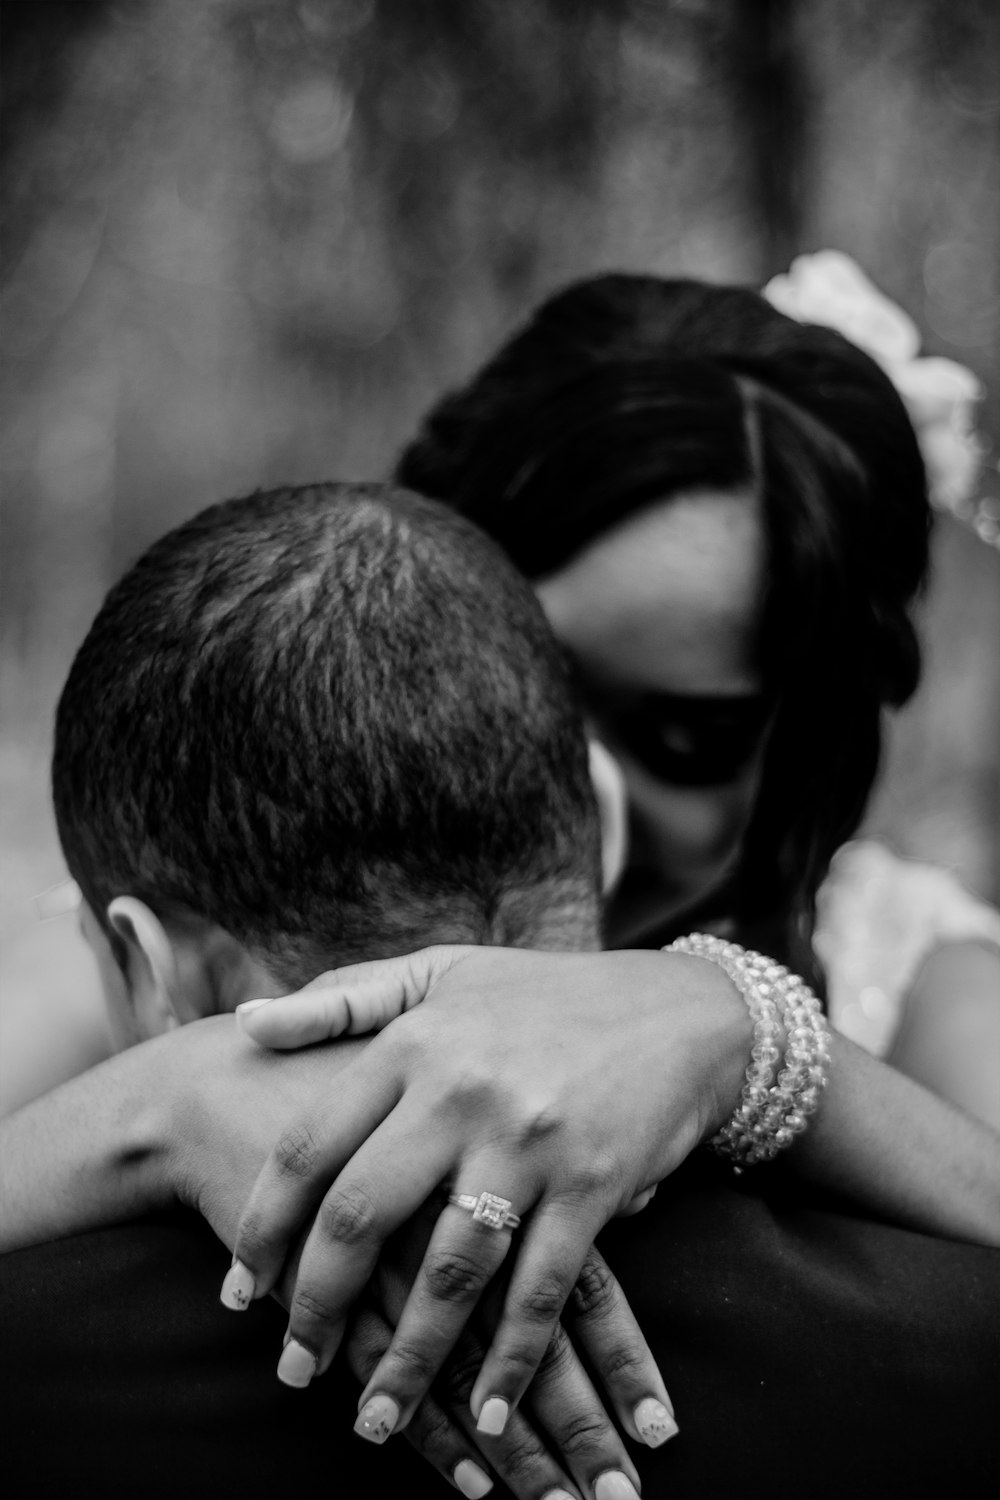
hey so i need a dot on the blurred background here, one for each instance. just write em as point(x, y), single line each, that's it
point(249, 241)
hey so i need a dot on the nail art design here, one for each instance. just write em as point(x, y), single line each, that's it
point(471, 1479)
point(297, 1366)
point(655, 1422)
point(377, 1419)
point(238, 1288)
point(493, 1416)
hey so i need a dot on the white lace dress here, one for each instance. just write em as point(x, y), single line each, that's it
point(878, 917)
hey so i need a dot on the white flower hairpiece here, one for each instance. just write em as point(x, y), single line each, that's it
point(831, 289)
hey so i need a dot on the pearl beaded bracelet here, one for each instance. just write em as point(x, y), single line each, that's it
point(776, 1103)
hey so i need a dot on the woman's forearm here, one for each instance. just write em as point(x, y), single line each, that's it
point(188, 1117)
point(88, 1153)
point(192, 1116)
point(663, 1068)
point(900, 1152)
point(891, 1145)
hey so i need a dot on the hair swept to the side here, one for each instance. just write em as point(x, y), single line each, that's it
point(623, 390)
point(332, 719)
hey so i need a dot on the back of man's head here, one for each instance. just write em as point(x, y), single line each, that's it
point(332, 720)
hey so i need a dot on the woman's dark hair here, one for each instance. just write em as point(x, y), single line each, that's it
point(624, 390)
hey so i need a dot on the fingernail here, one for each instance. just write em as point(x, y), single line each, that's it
point(493, 1416)
point(557, 1495)
point(615, 1486)
point(248, 1005)
point(296, 1366)
point(377, 1419)
point(238, 1288)
point(654, 1421)
point(471, 1479)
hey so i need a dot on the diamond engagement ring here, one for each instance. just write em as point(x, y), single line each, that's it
point(490, 1210)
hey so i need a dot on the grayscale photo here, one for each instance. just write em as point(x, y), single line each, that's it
point(500, 749)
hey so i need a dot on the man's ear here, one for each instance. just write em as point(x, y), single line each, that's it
point(152, 966)
point(612, 804)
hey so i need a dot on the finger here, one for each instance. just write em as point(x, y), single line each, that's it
point(567, 1417)
point(562, 1401)
point(603, 1325)
point(464, 1254)
point(304, 1161)
point(378, 1191)
point(435, 1435)
point(638, 1203)
point(565, 1411)
point(438, 1439)
point(519, 1455)
point(548, 1263)
point(356, 999)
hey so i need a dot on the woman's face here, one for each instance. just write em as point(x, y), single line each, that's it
point(662, 618)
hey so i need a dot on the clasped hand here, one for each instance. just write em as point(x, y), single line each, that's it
point(565, 1084)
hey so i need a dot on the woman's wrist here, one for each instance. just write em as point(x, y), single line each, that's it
point(718, 1037)
point(788, 1062)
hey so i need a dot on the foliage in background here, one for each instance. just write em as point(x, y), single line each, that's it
point(248, 241)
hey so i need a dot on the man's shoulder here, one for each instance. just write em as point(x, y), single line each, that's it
point(863, 1354)
point(117, 1359)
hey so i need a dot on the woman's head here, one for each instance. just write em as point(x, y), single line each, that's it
point(725, 514)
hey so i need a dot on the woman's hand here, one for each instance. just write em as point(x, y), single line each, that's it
point(567, 1417)
point(231, 1100)
point(191, 1116)
point(564, 1084)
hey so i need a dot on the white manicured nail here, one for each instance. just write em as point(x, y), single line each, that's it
point(615, 1486)
point(297, 1366)
point(238, 1288)
point(654, 1422)
point(248, 1005)
point(377, 1419)
point(493, 1416)
point(471, 1479)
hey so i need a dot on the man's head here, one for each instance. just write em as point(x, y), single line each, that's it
point(318, 725)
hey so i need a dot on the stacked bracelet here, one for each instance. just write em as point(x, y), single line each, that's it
point(776, 1102)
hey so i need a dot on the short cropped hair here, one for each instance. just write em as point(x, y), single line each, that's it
point(334, 720)
point(622, 391)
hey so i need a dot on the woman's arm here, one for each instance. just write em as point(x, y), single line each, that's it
point(81, 1156)
point(190, 1116)
point(145, 1128)
point(566, 1083)
point(901, 1152)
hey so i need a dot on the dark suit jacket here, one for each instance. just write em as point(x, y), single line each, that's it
point(808, 1353)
